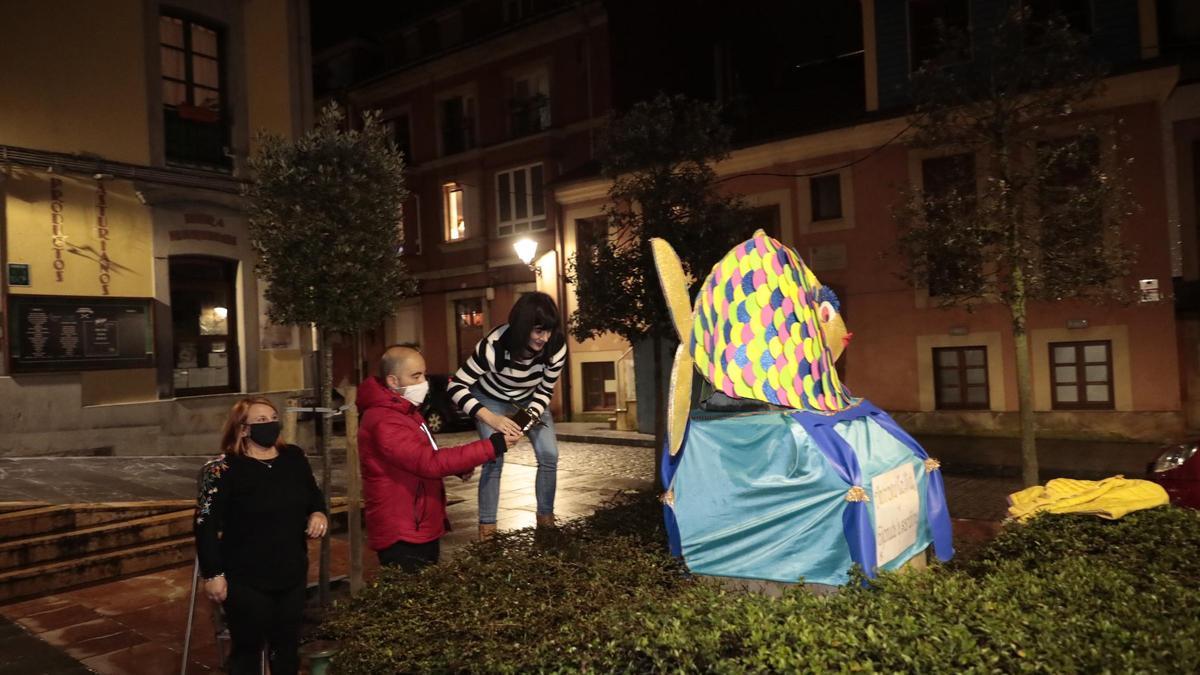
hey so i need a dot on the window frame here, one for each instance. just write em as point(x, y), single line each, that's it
point(448, 188)
point(413, 234)
point(223, 120)
point(604, 395)
point(465, 347)
point(393, 124)
point(836, 179)
point(470, 128)
point(531, 200)
point(1081, 382)
point(531, 74)
point(179, 285)
point(961, 369)
point(972, 180)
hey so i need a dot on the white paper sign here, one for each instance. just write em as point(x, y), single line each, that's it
point(897, 512)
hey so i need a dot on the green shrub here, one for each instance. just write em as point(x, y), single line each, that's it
point(1164, 539)
point(1058, 595)
point(506, 605)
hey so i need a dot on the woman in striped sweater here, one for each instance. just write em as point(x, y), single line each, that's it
point(517, 364)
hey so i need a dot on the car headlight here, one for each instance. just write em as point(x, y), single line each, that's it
point(1174, 457)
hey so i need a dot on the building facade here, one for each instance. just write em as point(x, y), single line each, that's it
point(490, 102)
point(1099, 371)
point(132, 315)
point(821, 104)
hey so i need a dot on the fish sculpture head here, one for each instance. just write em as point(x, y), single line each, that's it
point(762, 327)
point(833, 326)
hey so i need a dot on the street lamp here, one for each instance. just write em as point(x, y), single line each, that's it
point(527, 248)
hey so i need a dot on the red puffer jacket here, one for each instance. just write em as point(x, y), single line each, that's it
point(402, 469)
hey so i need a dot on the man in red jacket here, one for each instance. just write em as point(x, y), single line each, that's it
point(402, 467)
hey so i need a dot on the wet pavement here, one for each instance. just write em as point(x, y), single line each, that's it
point(66, 480)
point(136, 625)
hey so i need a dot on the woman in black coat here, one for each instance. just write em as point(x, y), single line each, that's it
point(261, 497)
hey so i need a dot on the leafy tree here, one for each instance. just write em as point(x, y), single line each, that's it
point(659, 156)
point(1043, 220)
point(324, 219)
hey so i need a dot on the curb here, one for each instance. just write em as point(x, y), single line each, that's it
point(605, 440)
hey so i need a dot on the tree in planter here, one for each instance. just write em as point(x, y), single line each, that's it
point(324, 219)
point(1044, 221)
point(659, 156)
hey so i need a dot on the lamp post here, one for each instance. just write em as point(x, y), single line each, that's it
point(527, 248)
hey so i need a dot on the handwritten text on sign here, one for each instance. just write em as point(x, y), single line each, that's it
point(897, 512)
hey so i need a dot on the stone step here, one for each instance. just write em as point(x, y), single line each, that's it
point(57, 576)
point(59, 561)
point(32, 522)
point(26, 551)
point(8, 507)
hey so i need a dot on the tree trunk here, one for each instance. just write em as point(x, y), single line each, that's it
point(1029, 458)
point(660, 412)
point(354, 492)
point(326, 395)
point(353, 471)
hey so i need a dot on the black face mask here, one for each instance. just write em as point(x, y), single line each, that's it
point(265, 433)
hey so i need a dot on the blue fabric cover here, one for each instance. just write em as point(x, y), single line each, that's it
point(763, 495)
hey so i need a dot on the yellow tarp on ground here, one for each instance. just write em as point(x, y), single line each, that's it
point(1109, 498)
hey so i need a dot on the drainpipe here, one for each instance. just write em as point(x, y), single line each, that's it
point(561, 281)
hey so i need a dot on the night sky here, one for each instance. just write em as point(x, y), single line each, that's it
point(336, 20)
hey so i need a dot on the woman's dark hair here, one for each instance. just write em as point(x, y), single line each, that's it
point(533, 310)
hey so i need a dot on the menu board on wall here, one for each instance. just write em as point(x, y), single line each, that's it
point(62, 333)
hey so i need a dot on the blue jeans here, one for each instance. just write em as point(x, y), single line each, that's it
point(545, 449)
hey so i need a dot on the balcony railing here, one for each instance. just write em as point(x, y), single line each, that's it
point(196, 137)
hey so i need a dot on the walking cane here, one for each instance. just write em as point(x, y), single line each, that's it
point(187, 637)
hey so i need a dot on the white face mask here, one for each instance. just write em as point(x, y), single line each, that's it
point(415, 393)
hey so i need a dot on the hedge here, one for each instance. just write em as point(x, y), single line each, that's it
point(1061, 594)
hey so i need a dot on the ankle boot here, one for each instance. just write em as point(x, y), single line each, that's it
point(545, 521)
point(486, 531)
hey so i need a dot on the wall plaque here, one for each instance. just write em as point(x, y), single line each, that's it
point(18, 274)
point(52, 333)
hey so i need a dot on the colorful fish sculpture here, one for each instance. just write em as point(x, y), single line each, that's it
point(762, 327)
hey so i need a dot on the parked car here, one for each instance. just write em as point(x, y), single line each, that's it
point(440, 412)
point(1177, 469)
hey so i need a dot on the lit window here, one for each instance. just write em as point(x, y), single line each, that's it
point(455, 212)
point(520, 204)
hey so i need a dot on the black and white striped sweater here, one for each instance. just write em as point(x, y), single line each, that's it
point(518, 380)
